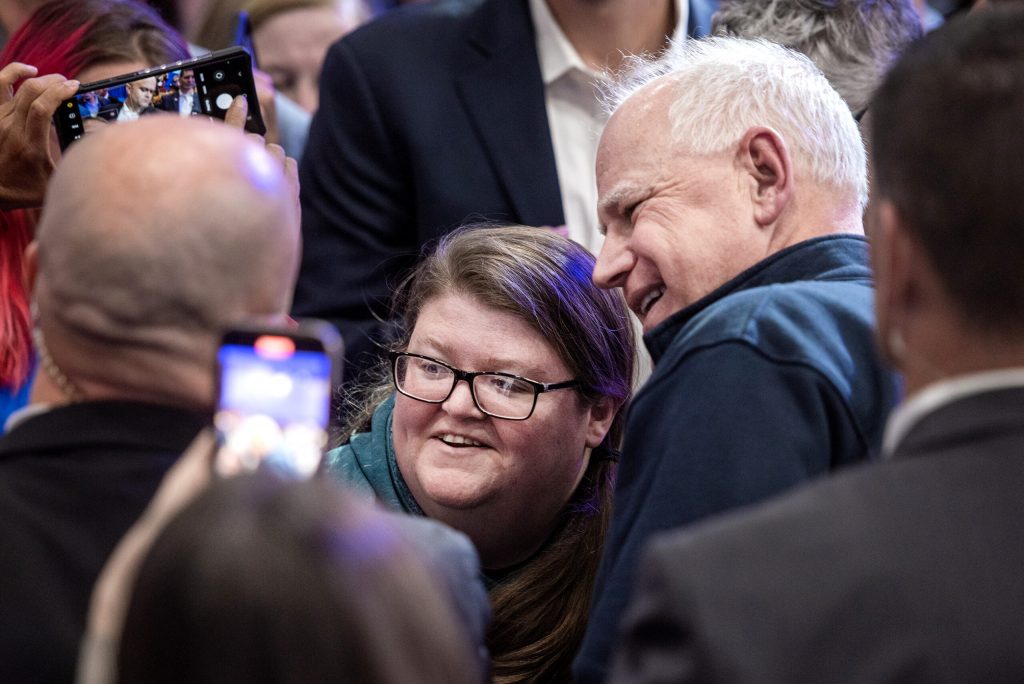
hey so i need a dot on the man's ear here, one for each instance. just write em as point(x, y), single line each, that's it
point(893, 257)
point(31, 267)
point(763, 155)
point(602, 413)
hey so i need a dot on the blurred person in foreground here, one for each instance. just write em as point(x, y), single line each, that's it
point(909, 569)
point(127, 313)
point(498, 413)
point(731, 183)
point(262, 580)
point(86, 40)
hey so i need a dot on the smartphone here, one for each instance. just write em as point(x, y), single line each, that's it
point(218, 77)
point(274, 398)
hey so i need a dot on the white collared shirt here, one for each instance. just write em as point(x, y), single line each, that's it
point(185, 103)
point(939, 394)
point(576, 119)
point(127, 114)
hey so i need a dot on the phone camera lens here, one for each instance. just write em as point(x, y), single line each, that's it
point(218, 75)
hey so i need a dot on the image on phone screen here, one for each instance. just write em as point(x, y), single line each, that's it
point(274, 406)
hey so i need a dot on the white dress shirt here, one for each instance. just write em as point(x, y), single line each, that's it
point(576, 119)
point(127, 114)
point(185, 103)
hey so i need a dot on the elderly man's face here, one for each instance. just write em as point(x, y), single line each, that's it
point(677, 225)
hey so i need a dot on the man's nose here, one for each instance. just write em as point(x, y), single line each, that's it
point(614, 263)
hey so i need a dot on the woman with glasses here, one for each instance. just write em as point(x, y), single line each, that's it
point(499, 415)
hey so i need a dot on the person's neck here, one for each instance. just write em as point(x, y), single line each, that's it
point(946, 348)
point(813, 215)
point(87, 373)
point(44, 391)
point(603, 31)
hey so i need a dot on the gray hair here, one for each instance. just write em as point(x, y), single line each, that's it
point(723, 86)
point(853, 42)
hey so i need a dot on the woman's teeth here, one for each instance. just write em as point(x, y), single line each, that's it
point(459, 440)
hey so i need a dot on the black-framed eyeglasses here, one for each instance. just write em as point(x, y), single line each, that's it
point(499, 395)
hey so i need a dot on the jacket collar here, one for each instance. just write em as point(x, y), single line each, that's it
point(94, 423)
point(831, 257)
point(965, 420)
point(991, 401)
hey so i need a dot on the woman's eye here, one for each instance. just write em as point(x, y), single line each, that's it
point(508, 385)
point(430, 369)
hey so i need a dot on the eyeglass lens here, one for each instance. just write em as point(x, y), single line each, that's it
point(498, 395)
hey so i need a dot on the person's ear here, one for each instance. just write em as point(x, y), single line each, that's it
point(30, 264)
point(893, 258)
point(764, 157)
point(602, 413)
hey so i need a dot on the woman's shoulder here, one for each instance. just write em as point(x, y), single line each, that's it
point(363, 462)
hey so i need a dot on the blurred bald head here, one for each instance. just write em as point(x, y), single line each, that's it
point(156, 235)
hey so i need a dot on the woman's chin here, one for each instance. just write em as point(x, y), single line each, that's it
point(454, 491)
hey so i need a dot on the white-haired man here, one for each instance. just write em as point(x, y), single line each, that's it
point(731, 182)
point(906, 570)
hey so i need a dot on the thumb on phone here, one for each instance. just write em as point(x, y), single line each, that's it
point(237, 112)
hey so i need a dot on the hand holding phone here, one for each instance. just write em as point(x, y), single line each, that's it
point(202, 86)
point(26, 158)
point(274, 405)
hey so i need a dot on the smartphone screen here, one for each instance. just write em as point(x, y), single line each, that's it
point(274, 403)
point(203, 86)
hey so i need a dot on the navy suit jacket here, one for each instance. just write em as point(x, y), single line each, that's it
point(169, 103)
point(431, 116)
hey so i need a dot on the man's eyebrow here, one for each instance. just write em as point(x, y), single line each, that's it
point(612, 200)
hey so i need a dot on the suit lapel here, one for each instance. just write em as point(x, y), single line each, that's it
point(503, 94)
